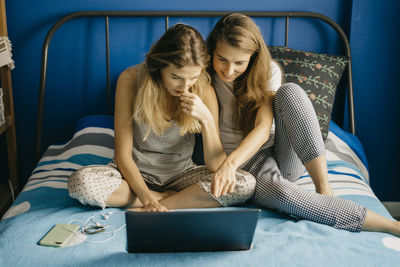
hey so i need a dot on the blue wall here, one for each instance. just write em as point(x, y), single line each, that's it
point(77, 82)
point(375, 45)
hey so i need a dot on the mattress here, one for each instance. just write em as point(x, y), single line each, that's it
point(279, 240)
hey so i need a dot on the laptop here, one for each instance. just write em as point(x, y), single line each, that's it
point(217, 229)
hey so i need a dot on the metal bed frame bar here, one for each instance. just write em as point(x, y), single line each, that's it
point(167, 15)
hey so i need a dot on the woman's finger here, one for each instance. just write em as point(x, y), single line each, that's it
point(185, 105)
point(232, 187)
point(212, 185)
point(221, 187)
point(187, 102)
point(162, 208)
point(216, 186)
point(187, 99)
point(187, 94)
point(224, 190)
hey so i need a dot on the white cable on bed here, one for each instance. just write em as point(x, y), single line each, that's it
point(90, 223)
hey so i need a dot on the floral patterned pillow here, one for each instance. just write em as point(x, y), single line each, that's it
point(317, 74)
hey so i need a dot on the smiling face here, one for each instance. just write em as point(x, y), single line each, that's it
point(230, 62)
point(177, 80)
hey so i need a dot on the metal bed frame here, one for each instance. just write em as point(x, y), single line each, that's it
point(167, 15)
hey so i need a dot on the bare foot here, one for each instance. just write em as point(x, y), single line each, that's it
point(138, 206)
point(161, 195)
point(151, 207)
point(396, 230)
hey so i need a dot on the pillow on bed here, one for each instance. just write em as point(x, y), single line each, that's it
point(317, 74)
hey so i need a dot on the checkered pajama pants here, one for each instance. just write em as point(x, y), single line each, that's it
point(297, 141)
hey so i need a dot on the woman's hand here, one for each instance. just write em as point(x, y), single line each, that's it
point(194, 106)
point(224, 180)
point(153, 206)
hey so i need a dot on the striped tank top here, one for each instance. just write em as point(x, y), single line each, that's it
point(161, 158)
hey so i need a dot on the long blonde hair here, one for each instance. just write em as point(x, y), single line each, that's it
point(181, 45)
point(251, 87)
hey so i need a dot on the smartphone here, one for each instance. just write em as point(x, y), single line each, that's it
point(59, 235)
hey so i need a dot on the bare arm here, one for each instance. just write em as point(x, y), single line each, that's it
point(206, 112)
point(224, 179)
point(256, 137)
point(124, 140)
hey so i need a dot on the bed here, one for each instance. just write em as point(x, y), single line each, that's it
point(280, 240)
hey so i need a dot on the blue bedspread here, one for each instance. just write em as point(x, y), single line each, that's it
point(279, 240)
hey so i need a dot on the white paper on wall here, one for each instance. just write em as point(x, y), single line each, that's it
point(2, 117)
point(5, 52)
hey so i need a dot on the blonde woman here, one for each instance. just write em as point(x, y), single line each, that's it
point(159, 105)
point(270, 130)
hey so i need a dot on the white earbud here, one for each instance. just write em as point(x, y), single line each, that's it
point(107, 215)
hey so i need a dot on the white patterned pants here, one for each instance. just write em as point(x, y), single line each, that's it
point(93, 185)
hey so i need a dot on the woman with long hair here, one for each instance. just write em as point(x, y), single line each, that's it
point(271, 130)
point(159, 106)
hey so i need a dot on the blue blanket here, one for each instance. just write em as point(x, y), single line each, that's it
point(280, 240)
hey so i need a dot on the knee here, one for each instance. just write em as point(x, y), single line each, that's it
point(290, 93)
point(78, 179)
point(289, 90)
point(244, 190)
point(78, 184)
point(245, 185)
point(81, 179)
point(92, 185)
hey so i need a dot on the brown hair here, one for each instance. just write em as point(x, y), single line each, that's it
point(251, 87)
point(180, 46)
